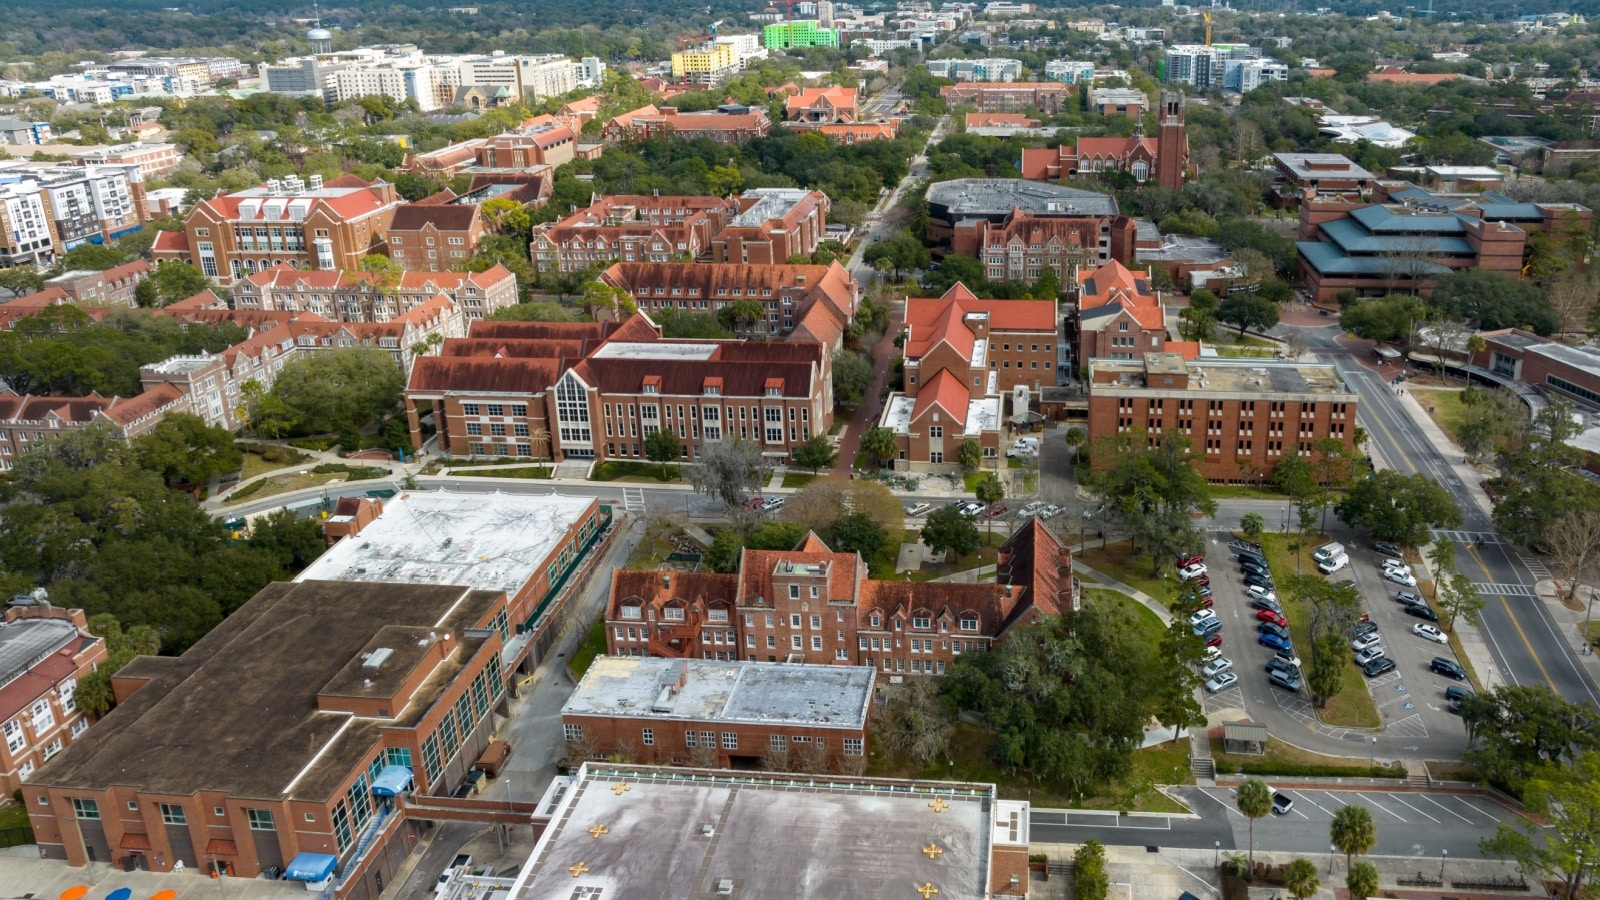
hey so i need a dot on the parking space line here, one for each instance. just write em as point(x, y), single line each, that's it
point(1307, 799)
point(1226, 804)
point(1396, 798)
point(1478, 809)
point(1447, 809)
point(1380, 806)
point(1335, 798)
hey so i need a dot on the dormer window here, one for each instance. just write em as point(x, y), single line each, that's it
point(651, 389)
point(921, 623)
point(774, 392)
point(630, 612)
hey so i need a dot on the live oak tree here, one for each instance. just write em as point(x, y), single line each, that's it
point(949, 533)
point(1153, 491)
point(342, 388)
point(852, 378)
point(815, 452)
point(1519, 733)
point(729, 470)
point(1248, 311)
point(185, 450)
point(1399, 508)
point(1568, 849)
point(913, 722)
point(663, 446)
point(1539, 489)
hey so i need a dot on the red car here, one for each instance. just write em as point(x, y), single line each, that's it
point(1214, 640)
point(1267, 615)
point(1201, 580)
point(999, 509)
point(1206, 602)
point(755, 503)
point(1186, 561)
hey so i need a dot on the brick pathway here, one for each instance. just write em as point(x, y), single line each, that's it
point(867, 415)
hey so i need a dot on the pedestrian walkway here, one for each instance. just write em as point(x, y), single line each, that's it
point(47, 878)
point(866, 416)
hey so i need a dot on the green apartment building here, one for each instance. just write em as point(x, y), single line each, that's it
point(805, 33)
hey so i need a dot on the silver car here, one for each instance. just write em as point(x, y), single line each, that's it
point(1217, 667)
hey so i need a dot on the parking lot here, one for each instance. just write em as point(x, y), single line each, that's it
point(1410, 699)
point(1410, 823)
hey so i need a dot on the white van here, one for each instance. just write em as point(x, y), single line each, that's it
point(1328, 551)
point(1330, 566)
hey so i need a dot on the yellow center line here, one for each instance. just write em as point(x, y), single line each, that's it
point(1513, 616)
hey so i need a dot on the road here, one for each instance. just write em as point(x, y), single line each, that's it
point(1524, 640)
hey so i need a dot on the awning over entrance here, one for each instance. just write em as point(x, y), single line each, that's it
point(392, 781)
point(221, 847)
point(132, 841)
point(310, 867)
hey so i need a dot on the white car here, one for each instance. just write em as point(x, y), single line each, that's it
point(1201, 616)
point(1032, 509)
point(918, 509)
point(1050, 511)
point(1190, 573)
point(1429, 633)
point(1212, 654)
point(1401, 576)
point(1365, 642)
point(1257, 592)
point(1222, 682)
point(1217, 667)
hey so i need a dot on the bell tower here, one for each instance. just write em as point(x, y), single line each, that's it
point(1172, 142)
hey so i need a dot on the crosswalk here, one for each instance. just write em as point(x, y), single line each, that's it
point(633, 499)
point(1537, 568)
point(1469, 537)
point(1486, 589)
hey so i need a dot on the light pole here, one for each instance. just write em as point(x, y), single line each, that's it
point(1374, 760)
point(1331, 850)
point(1216, 854)
point(1587, 617)
point(1443, 855)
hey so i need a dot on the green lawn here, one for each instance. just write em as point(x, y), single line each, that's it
point(1286, 759)
point(983, 556)
point(798, 479)
point(969, 761)
point(594, 644)
point(13, 815)
point(1246, 492)
point(1444, 407)
point(630, 470)
point(1114, 562)
point(1352, 706)
point(1148, 623)
point(518, 472)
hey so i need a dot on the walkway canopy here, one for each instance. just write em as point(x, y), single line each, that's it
point(391, 782)
point(311, 867)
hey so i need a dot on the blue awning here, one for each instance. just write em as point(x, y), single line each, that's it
point(97, 239)
point(311, 867)
point(117, 234)
point(392, 781)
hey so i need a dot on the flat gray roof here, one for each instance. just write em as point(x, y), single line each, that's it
point(761, 693)
point(671, 832)
point(1584, 359)
point(998, 196)
point(1321, 165)
point(24, 642)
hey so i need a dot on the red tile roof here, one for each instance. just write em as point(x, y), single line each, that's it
point(1112, 287)
point(946, 392)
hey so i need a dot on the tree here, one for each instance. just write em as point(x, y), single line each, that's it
point(185, 450)
point(1572, 548)
point(1569, 848)
point(815, 452)
point(175, 280)
point(1089, 878)
point(1153, 491)
point(852, 378)
point(1539, 490)
point(1353, 831)
point(913, 722)
point(1076, 437)
point(949, 533)
point(663, 446)
point(1492, 300)
point(1523, 732)
point(970, 456)
point(383, 273)
point(1300, 878)
point(879, 445)
point(93, 693)
point(742, 316)
point(1458, 598)
point(818, 505)
point(334, 389)
point(1248, 311)
point(1294, 343)
point(856, 532)
point(97, 257)
point(1254, 800)
point(903, 253)
point(21, 280)
point(990, 491)
point(1200, 316)
point(507, 216)
point(1388, 319)
point(1182, 650)
point(1399, 508)
point(263, 412)
point(1251, 525)
point(1362, 881)
point(729, 470)
point(1325, 676)
point(724, 553)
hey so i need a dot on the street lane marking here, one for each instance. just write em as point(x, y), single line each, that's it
point(1448, 809)
point(1516, 624)
point(1396, 798)
point(1226, 804)
point(1380, 806)
point(1503, 590)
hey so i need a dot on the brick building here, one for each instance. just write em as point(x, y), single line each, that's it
point(822, 106)
point(1405, 238)
point(44, 653)
point(329, 724)
point(435, 237)
point(1120, 316)
point(771, 225)
point(816, 606)
point(111, 287)
point(1550, 367)
point(730, 124)
point(1024, 246)
point(819, 301)
point(153, 160)
point(1320, 174)
point(1240, 416)
point(965, 211)
point(323, 227)
point(630, 228)
point(1164, 159)
point(354, 296)
point(856, 132)
point(27, 420)
point(723, 715)
point(1047, 97)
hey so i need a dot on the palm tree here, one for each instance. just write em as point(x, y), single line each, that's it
point(1076, 437)
point(1362, 882)
point(540, 437)
point(1254, 801)
point(1300, 878)
point(1475, 345)
point(1353, 831)
point(990, 491)
point(1251, 524)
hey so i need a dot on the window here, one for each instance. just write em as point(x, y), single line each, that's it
point(730, 740)
point(44, 718)
point(852, 746)
point(921, 622)
point(341, 826)
point(172, 814)
point(968, 624)
point(259, 819)
point(469, 409)
point(573, 732)
point(83, 808)
point(936, 431)
point(630, 612)
point(688, 738)
point(649, 737)
point(15, 740)
point(816, 642)
point(778, 742)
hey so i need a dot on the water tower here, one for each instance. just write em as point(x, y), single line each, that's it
point(321, 38)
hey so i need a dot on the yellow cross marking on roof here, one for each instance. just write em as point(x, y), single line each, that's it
point(598, 830)
point(927, 890)
point(932, 850)
point(579, 869)
point(938, 805)
point(622, 788)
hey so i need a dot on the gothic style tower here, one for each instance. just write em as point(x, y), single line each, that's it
point(1172, 143)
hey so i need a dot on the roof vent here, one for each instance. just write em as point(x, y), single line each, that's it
point(376, 658)
point(707, 829)
point(724, 886)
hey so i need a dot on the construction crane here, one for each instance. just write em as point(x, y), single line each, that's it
point(685, 40)
point(1206, 14)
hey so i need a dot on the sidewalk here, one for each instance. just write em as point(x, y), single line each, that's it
point(46, 878)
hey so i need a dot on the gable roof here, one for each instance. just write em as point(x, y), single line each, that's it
point(443, 217)
point(945, 391)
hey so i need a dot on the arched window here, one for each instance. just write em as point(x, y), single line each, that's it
point(1141, 171)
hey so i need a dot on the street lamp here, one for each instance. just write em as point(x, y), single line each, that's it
point(1331, 850)
point(1216, 854)
point(1374, 760)
point(1443, 855)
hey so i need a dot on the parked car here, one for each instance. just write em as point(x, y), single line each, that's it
point(1207, 627)
point(1388, 549)
point(1190, 560)
point(1201, 615)
point(773, 505)
point(1289, 657)
point(1364, 627)
point(753, 503)
point(1429, 633)
point(1409, 597)
point(1255, 590)
point(1272, 628)
point(1222, 682)
point(1273, 641)
point(1332, 565)
point(1031, 509)
point(1286, 680)
point(1401, 576)
point(1260, 581)
point(1369, 654)
point(969, 508)
point(1202, 581)
point(1449, 668)
point(1454, 694)
point(1050, 511)
point(1191, 572)
point(1273, 616)
point(1421, 611)
point(1206, 600)
point(1363, 642)
point(1215, 639)
point(1251, 567)
point(1264, 603)
point(1217, 667)
point(1279, 664)
point(1250, 555)
point(1377, 667)
point(917, 509)
point(996, 510)
point(1212, 653)
point(1281, 803)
